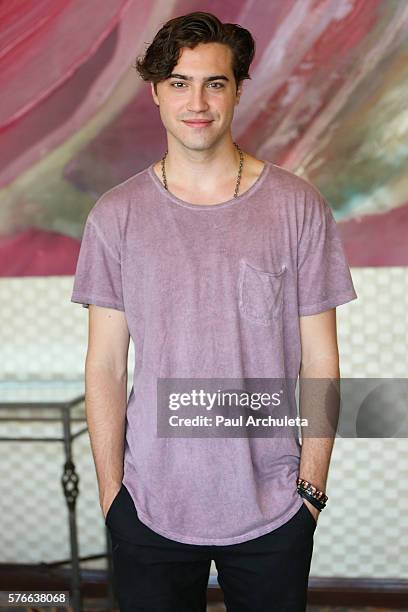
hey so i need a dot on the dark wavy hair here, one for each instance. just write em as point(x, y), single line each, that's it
point(188, 31)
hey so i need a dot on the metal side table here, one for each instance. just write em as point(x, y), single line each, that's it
point(55, 401)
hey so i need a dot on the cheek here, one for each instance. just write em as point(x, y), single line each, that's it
point(225, 111)
point(175, 109)
point(167, 113)
point(224, 105)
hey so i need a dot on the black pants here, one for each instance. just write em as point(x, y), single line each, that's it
point(155, 574)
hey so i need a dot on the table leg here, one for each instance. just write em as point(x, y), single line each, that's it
point(70, 486)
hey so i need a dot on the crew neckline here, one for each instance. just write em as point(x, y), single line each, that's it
point(241, 197)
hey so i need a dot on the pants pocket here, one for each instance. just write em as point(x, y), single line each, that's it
point(112, 504)
point(310, 516)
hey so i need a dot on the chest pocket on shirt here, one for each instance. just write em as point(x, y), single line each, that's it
point(260, 293)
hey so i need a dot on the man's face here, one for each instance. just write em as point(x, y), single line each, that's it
point(203, 88)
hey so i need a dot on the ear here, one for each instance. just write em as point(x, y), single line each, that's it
point(238, 94)
point(155, 98)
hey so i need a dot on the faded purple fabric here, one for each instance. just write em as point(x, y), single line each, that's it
point(212, 291)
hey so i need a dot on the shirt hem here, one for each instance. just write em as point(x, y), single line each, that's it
point(327, 304)
point(77, 299)
point(250, 535)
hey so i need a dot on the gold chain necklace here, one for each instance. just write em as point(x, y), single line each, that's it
point(241, 163)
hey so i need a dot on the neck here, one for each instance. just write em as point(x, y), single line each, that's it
point(190, 170)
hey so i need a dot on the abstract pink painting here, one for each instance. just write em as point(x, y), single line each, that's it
point(326, 100)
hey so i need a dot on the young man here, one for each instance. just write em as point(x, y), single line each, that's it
point(217, 265)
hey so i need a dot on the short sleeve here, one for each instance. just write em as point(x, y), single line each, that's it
point(324, 278)
point(98, 278)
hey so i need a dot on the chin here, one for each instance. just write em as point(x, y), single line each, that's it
point(196, 144)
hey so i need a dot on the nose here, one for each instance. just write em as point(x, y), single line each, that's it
point(197, 101)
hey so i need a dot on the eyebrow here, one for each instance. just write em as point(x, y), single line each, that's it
point(218, 77)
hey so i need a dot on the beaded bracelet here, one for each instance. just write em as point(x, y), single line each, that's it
point(311, 493)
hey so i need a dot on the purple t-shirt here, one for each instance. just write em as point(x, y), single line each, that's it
point(211, 291)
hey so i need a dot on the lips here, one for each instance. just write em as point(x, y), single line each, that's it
point(196, 123)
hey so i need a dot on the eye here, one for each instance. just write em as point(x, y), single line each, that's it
point(213, 85)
